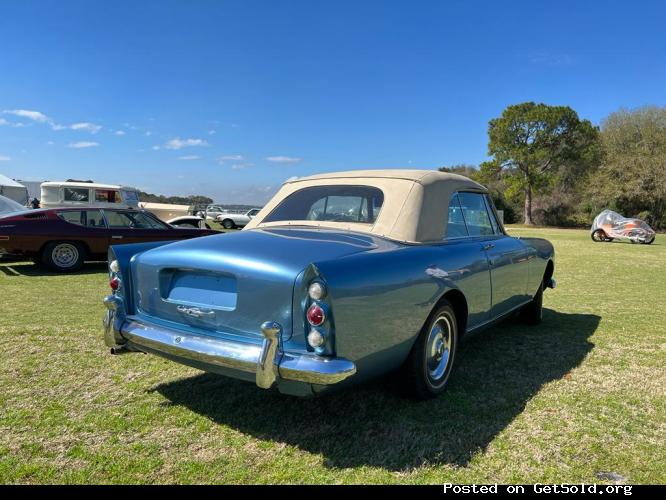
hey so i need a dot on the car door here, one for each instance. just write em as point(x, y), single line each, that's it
point(87, 226)
point(464, 260)
point(132, 226)
point(508, 258)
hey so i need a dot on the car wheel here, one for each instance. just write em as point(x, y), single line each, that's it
point(228, 224)
point(649, 242)
point(429, 364)
point(599, 235)
point(532, 312)
point(63, 256)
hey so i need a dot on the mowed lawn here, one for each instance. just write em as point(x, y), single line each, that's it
point(582, 395)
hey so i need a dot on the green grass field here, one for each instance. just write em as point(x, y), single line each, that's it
point(581, 395)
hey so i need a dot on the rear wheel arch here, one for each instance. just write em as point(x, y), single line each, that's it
point(83, 244)
point(459, 303)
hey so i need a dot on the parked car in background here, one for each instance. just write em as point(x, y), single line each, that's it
point(231, 220)
point(87, 194)
point(609, 226)
point(212, 211)
point(189, 221)
point(340, 278)
point(63, 238)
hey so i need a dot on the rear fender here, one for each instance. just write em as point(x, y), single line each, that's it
point(124, 255)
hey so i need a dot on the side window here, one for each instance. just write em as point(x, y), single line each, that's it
point(132, 196)
point(86, 218)
point(475, 214)
point(76, 194)
point(455, 227)
point(118, 219)
point(491, 213)
point(143, 221)
point(107, 196)
point(131, 220)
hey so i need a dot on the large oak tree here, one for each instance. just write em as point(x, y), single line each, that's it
point(529, 143)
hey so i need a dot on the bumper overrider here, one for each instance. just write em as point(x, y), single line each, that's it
point(268, 361)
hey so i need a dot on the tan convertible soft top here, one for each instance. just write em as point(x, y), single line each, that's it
point(415, 208)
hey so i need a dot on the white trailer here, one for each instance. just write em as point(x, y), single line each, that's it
point(89, 194)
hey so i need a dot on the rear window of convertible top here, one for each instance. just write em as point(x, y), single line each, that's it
point(360, 204)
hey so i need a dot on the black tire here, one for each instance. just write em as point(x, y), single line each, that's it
point(228, 224)
point(599, 235)
point(532, 313)
point(430, 361)
point(63, 256)
point(650, 242)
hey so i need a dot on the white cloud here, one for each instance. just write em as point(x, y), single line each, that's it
point(50, 143)
point(283, 159)
point(240, 166)
point(212, 132)
point(5, 158)
point(178, 143)
point(230, 158)
point(119, 132)
point(32, 115)
point(148, 133)
point(155, 148)
point(82, 144)
point(87, 126)
point(3, 121)
point(189, 157)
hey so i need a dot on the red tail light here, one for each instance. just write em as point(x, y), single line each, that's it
point(316, 315)
point(114, 283)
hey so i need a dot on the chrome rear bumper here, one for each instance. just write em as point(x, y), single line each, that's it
point(268, 361)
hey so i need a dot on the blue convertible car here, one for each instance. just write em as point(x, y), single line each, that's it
point(340, 277)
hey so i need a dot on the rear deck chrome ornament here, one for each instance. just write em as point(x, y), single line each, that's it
point(194, 312)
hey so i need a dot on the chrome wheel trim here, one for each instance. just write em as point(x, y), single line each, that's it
point(65, 255)
point(438, 351)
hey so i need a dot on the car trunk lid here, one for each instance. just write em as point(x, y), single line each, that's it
point(229, 284)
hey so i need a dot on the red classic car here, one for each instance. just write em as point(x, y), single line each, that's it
point(63, 238)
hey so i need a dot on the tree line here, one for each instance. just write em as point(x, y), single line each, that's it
point(549, 167)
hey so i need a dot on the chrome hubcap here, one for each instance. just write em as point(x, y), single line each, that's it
point(65, 255)
point(438, 348)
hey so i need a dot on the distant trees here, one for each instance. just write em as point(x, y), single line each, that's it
point(534, 146)
point(557, 169)
point(632, 176)
point(176, 200)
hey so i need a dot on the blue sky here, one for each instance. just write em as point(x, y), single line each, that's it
point(230, 98)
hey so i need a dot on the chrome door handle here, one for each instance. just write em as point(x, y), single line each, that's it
point(488, 246)
point(116, 237)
